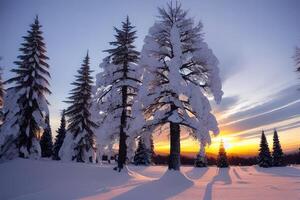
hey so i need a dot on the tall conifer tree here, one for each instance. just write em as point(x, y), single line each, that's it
point(179, 72)
point(264, 157)
point(27, 106)
point(59, 139)
point(80, 142)
point(120, 81)
point(278, 156)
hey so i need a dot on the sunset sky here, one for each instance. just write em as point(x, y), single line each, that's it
point(254, 41)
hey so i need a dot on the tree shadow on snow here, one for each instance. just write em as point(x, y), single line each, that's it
point(63, 180)
point(222, 176)
point(196, 173)
point(280, 171)
point(237, 174)
point(169, 185)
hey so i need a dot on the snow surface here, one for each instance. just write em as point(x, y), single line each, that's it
point(45, 179)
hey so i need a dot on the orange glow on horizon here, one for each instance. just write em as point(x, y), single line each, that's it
point(235, 146)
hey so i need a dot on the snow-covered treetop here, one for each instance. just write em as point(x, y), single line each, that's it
point(30, 83)
point(124, 51)
point(179, 72)
point(116, 85)
point(32, 75)
point(78, 113)
point(32, 69)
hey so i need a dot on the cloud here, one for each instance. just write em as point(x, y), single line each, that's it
point(226, 104)
point(281, 128)
point(230, 66)
point(277, 107)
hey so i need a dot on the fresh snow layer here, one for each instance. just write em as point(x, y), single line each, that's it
point(45, 179)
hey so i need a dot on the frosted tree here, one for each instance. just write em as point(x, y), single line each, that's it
point(277, 156)
point(201, 160)
point(116, 87)
point(59, 139)
point(80, 143)
point(26, 106)
point(180, 72)
point(222, 157)
point(46, 140)
point(143, 154)
point(264, 157)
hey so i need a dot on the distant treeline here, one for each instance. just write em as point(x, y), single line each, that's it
point(293, 158)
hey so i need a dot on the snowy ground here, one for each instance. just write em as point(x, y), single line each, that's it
point(28, 179)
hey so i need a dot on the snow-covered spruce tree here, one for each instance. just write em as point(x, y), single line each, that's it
point(201, 160)
point(222, 157)
point(26, 106)
point(264, 157)
point(117, 85)
point(46, 140)
point(80, 143)
point(142, 155)
point(277, 156)
point(179, 71)
point(59, 139)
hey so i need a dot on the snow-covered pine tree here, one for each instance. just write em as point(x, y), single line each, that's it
point(26, 106)
point(59, 139)
point(46, 140)
point(80, 143)
point(142, 155)
point(117, 85)
point(222, 157)
point(277, 156)
point(201, 160)
point(264, 157)
point(179, 71)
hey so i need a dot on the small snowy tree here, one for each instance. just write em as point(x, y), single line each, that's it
point(116, 87)
point(142, 155)
point(179, 71)
point(201, 160)
point(59, 139)
point(278, 156)
point(26, 106)
point(79, 143)
point(264, 157)
point(222, 157)
point(46, 140)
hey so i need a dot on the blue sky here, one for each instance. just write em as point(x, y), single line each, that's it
point(254, 41)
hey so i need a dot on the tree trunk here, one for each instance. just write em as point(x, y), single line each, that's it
point(174, 158)
point(122, 143)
